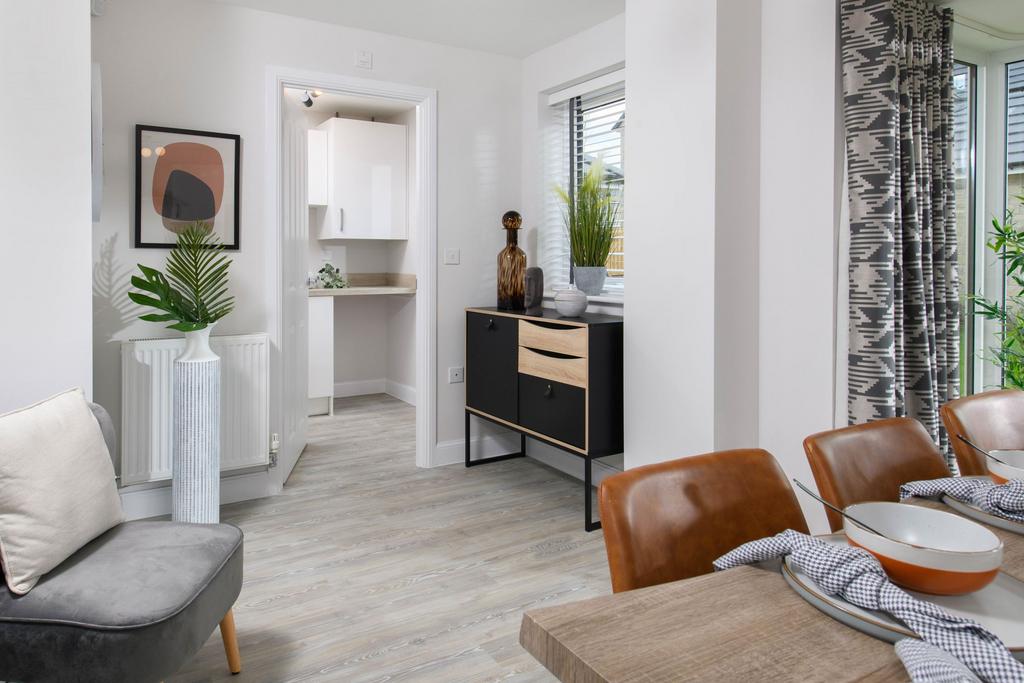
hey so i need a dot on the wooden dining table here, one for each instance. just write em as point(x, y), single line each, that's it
point(744, 624)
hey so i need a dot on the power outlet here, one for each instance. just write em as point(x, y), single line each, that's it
point(456, 375)
point(364, 59)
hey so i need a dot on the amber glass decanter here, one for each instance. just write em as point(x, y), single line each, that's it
point(511, 265)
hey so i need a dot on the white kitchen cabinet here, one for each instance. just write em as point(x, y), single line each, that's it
point(317, 158)
point(367, 179)
point(321, 349)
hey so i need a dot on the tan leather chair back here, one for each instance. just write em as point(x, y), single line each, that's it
point(993, 419)
point(869, 462)
point(671, 520)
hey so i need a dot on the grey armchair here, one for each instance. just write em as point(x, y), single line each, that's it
point(134, 604)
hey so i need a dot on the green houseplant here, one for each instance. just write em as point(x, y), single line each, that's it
point(193, 294)
point(590, 214)
point(1008, 244)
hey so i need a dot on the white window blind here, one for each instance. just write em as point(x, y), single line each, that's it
point(553, 243)
point(580, 130)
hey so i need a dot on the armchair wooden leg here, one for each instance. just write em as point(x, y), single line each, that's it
point(227, 634)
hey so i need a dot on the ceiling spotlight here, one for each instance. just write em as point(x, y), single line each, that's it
point(307, 97)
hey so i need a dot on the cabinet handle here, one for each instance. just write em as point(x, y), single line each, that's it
point(490, 323)
point(548, 391)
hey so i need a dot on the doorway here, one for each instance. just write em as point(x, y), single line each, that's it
point(287, 203)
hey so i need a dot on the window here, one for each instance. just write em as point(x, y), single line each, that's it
point(1015, 138)
point(581, 124)
point(597, 124)
point(964, 147)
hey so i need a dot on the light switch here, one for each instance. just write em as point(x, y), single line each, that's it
point(364, 59)
point(451, 257)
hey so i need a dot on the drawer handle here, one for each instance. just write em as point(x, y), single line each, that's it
point(490, 323)
point(548, 391)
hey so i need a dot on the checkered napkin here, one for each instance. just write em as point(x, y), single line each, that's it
point(928, 664)
point(1002, 500)
point(855, 575)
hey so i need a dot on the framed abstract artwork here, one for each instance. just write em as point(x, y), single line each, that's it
point(183, 176)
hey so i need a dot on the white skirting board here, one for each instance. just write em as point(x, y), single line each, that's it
point(148, 500)
point(403, 392)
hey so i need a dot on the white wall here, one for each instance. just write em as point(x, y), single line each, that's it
point(45, 189)
point(211, 76)
point(589, 53)
point(737, 223)
point(670, 317)
point(799, 195)
point(732, 285)
point(597, 50)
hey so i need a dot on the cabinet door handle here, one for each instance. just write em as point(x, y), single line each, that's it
point(490, 323)
point(548, 391)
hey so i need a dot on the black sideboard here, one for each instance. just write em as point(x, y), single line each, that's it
point(555, 379)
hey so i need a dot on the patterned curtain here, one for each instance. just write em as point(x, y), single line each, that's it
point(904, 291)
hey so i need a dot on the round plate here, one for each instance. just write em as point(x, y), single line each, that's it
point(997, 607)
point(979, 515)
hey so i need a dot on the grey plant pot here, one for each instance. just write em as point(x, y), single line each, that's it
point(590, 279)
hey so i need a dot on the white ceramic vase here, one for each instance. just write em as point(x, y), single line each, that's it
point(195, 471)
point(570, 302)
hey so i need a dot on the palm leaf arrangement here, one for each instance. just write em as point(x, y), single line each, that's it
point(1008, 245)
point(590, 215)
point(194, 292)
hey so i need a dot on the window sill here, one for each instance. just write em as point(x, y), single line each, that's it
point(605, 302)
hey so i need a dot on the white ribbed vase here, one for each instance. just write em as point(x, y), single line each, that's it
point(195, 479)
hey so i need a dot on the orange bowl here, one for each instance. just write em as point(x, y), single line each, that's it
point(927, 550)
point(1013, 469)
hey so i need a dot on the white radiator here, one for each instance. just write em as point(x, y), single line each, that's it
point(147, 373)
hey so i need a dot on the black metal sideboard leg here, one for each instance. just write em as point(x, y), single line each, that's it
point(588, 477)
point(467, 438)
point(495, 458)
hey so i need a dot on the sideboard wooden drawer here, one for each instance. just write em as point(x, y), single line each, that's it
point(553, 366)
point(553, 409)
point(571, 341)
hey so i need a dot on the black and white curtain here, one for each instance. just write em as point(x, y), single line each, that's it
point(897, 61)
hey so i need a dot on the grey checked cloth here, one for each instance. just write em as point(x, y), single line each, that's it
point(1002, 500)
point(856, 576)
point(928, 664)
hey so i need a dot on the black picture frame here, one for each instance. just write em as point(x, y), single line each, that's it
point(138, 242)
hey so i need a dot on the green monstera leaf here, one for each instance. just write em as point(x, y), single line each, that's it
point(194, 292)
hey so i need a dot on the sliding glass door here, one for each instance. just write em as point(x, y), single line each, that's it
point(1015, 139)
point(965, 91)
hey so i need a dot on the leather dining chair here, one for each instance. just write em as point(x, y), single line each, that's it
point(869, 462)
point(993, 419)
point(671, 520)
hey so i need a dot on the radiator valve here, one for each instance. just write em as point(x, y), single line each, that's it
point(275, 446)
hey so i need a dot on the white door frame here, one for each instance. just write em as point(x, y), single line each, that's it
point(425, 99)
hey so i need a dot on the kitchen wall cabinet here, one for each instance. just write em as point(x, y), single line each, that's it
point(317, 158)
point(366, 181)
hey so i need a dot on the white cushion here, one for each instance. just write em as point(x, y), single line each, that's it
point(57, 488)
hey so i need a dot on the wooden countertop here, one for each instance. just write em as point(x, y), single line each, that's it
point(743, 624)
point(362, 291)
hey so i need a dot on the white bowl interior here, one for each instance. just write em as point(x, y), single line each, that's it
point(1014, 459)
point(925, 527)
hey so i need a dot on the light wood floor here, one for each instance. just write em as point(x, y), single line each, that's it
point(367, 568)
